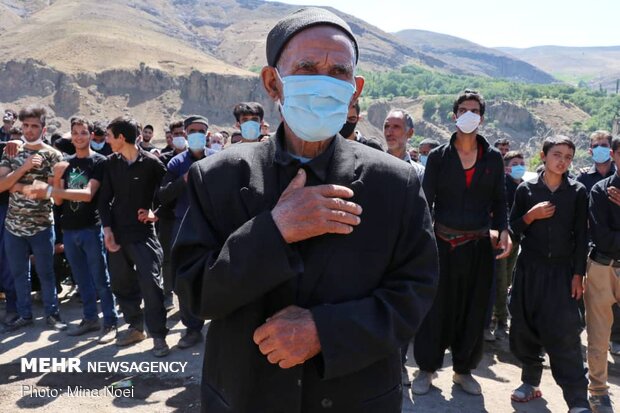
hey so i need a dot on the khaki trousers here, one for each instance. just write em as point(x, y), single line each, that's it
point(602, 292)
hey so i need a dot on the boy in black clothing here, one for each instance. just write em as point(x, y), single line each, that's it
point(549, 215)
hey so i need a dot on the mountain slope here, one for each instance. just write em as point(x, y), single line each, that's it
point(593, 65)
point(471, 58)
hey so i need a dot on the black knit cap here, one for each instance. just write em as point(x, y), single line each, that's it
point(302, 19)
point(195, 119)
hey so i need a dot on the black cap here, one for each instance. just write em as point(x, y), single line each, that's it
point(302, 19)
point(195, 119)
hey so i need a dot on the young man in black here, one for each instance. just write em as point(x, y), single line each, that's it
point(131, 179)
point(464, 187)
point(550, 216)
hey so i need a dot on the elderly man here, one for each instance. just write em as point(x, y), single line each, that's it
point(312, 255)
point(397, 130)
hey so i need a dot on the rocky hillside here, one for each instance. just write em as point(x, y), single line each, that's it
point(596, 66)
point(523, 124)
point(465, 57)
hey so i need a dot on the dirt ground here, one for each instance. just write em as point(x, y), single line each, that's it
point(179, 392)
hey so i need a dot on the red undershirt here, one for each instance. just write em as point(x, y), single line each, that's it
point(469, 173)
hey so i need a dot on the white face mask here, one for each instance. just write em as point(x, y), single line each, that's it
point(468, 122)
point(179, 142)
point(216, 147)
point(33, 143)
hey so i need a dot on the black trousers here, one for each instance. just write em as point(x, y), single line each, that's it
point(190, 321)
point(165, 232)
point(545, 316)
point(135, 275)
point(456, 319)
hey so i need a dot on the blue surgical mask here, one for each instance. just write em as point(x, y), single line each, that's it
point(196, 141)
point(315, 106)
point(517, 172)
point(250, 130)
point(179, 142)
point(97, 146)
point(423, 159)
point(600, 154)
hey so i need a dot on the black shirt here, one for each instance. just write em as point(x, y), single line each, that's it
point(79, 215)
point(457, 206)
point(563, 235)
point(127, 188)
point(166, 210)
point(588, 179)
point(605, 218)
point(105, 151)
point(511, 188)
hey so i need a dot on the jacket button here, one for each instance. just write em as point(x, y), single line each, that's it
point(326, 403)
point(299, 382)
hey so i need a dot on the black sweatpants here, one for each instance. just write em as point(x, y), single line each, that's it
point(546, 317)
point(135, 274)
point(456, 319)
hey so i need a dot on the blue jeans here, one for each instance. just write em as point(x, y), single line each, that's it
point(87, 258)
point(6, 278)
point(41, 245)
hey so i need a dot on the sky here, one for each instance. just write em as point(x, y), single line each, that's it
point(494, 23)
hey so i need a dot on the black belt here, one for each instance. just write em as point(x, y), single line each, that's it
point(604, 259)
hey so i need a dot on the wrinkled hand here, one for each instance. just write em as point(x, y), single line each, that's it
point(33, 162)
point(12, 147)
point(146, 215)
point(577, 287)
point(613, 194)
point(289, 337)
point(306, 212)
point(505, 244)
point(109, 240)
point(541, 210)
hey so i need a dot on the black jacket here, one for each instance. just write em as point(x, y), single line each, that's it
point(605, 218)
point(458, 207)
point(560, 237)
point(368, 291)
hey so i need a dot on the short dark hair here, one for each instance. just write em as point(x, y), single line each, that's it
point(98, 128)
point(248, 108)
point(501, 142)
point(601, 134)
point(356, 105)
point(12, 112)
point(235, 135)
point(615, 143)
point(469, 94)
point(33, 111)
point(433, 143)
point(175, 124)
point(126, 126)
point(81, 121)
point(148, 127)
point(552, 141)
point(406, 116)
point(55, 138)
point(510, 155)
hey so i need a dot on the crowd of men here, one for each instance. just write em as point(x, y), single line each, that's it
point(269, 236)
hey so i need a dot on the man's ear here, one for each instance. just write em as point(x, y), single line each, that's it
point(359, 86)
point(271, 82)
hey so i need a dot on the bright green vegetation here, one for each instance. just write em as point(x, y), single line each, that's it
point(414, 81)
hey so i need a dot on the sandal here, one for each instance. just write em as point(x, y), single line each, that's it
point(525, 393)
